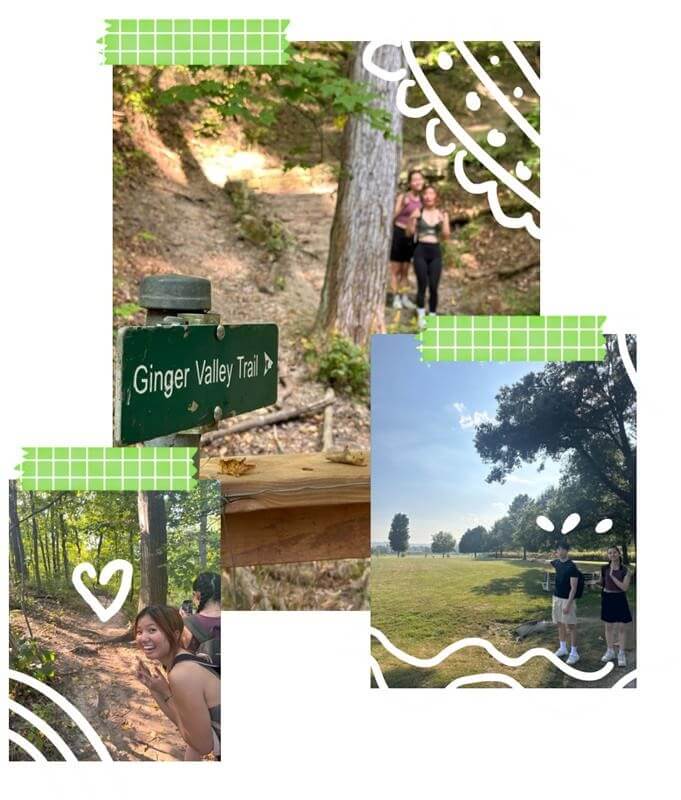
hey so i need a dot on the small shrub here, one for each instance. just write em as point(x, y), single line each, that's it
point(29, 657)
point(342, 365)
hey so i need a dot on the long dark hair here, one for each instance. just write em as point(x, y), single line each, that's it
point(207, 584)
point(169, 621)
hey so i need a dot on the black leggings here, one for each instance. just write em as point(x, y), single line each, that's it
point(428, 267)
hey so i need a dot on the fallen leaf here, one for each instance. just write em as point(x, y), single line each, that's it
point(235, 466)
point(355, 458)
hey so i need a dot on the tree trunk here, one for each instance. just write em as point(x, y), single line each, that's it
point(203, 525)
point(353, 296)
point(153, 549)
point(34, 539)
point(64, 555)
point(53, 541)
point(17, 546)
point(524, 553)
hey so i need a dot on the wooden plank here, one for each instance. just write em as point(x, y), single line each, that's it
point(290, 480)
point(304, 533)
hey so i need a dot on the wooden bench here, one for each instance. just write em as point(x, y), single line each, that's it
point(591, 580)
point(292, 508)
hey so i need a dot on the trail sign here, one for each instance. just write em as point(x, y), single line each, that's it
point(173, 377)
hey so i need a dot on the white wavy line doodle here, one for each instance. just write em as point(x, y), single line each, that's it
point(29, 748)
point(625, 355)
point(625, 680)
point(377, 672)
point(490, 188)
point(524, 66)
point(47, 730)
point(497, 94)
point(484, 677)
point(508, 661)
point(435, 105)
point(68, 708)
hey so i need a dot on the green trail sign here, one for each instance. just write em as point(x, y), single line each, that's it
point(173, 377)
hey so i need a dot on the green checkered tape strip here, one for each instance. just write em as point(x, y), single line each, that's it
point(108, 469)
point(498, 338)
point(201, 42)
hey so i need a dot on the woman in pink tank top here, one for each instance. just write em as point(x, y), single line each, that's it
point(402, 248)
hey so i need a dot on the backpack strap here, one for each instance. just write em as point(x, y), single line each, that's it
point(197, 660)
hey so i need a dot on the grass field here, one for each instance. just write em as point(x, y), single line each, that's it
point(423, 604)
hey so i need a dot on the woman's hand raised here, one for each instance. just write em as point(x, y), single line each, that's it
point(154, 681)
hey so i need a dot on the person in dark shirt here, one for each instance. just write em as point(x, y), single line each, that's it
point(615, 612)
point(564, 612)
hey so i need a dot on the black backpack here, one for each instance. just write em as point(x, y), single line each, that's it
point(580, 583)
point(209, 642)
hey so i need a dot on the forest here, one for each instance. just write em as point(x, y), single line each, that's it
point(169, 538)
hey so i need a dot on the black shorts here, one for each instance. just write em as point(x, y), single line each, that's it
point(402, 248)
point(615, 607)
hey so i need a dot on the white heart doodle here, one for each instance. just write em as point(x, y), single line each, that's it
point(116, 565)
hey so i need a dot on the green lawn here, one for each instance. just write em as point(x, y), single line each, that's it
point(423, 604)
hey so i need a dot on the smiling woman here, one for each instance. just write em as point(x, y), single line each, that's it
point(188, 689)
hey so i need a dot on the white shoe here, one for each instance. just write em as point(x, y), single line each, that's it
point(407, 303)
point(621, 659)
point(422, 317)
point(573, 658)
point(560, 652)
point(609, 655)
point(397, 301)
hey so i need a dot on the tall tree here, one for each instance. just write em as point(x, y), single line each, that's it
point(16, 544)
point(474, 540)
point(522, 515)
point(398, 535)
point(64, 549)
point(353, 296)
point(442, 542)
point(203, 523)
point(584, 409)
point(153, 549)
point(34, 540)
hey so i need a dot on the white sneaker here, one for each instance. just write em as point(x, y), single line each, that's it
point(397, 301)
point(422, 317)
point(407, 303)
point(573, 658)
point(560, 652)
point(609, 655)
point(621, 659)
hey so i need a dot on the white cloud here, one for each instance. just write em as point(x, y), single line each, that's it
point(518, 479)
point(468, 421)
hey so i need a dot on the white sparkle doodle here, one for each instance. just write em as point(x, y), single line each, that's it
point(523, 171)
point(473, 101)
point(444, 122)
point(496, 138)
point(569, 523)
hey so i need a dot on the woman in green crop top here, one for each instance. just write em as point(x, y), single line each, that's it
point(430, 226)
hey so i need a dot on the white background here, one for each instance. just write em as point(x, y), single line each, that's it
point(299, 720)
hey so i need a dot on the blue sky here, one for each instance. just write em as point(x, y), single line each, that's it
point(423, 460)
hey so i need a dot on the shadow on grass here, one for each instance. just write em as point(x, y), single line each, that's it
point(528, 581)
point(407, 677)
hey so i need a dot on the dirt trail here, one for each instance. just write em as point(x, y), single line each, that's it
point(100, 682)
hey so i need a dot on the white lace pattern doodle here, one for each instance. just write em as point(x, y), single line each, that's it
point(442, 116)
